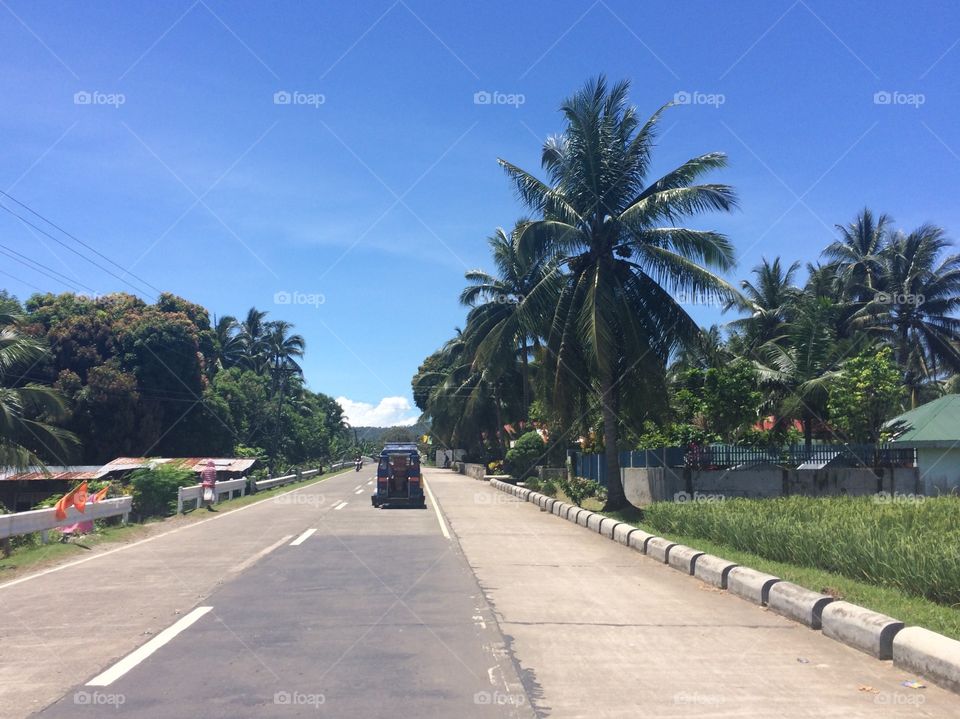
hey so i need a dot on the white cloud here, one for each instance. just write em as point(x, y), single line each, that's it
point(389, 412)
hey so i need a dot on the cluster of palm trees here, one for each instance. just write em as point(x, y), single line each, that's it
point(258, 344)
point(579, 327)
point(875, 287)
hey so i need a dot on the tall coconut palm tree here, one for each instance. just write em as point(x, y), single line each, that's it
point(619, 251)
point(858, 253)
point(230, 343)
point(26, 440)
point(768, 299)
point(253, 331)
point(281, 347)
point(499, 314)
point(914, 307)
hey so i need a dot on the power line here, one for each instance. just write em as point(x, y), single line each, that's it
point(14, 277)
point(77, 239)
point(77, 253)
point(46, 270)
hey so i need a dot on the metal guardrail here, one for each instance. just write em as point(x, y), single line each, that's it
point(194, 493)
point(43, 520)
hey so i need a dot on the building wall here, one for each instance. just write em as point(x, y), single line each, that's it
point(939, 469)
point(644, 486)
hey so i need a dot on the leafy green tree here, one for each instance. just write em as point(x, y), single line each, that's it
point(865, 394)
point(618, 255)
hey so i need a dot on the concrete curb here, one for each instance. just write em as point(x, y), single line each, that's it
point(932, 656)
point(750, 584)
point(683, 558)
point(861, 628)
point(659, 548)
point(713, 570)
point(798, 603)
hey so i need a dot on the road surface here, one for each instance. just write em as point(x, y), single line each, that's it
point(317, 604)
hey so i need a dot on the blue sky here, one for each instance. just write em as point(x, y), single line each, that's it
point(364, 199)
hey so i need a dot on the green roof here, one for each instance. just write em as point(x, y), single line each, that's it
point(936, 422)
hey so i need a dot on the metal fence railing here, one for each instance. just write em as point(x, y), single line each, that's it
point(726, 456)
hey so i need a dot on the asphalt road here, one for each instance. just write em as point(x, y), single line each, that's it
point(374, 614)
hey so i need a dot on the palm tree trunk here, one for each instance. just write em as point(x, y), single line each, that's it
point(615, 496)
point(525, 371)
point(500, 443)
point(807, 421)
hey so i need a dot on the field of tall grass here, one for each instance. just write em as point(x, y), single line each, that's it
point(909, 544)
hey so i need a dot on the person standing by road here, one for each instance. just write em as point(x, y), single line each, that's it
point(208, 484)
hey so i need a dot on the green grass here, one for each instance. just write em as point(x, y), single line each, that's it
point(912, 546)
point(29, 558)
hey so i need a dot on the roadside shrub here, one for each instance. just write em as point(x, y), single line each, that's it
point(908, 543)
point(495, 467)
point(580, 489)
point(155, 490)
point(525, 453)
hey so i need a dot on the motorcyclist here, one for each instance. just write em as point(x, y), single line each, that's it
point(358, 462)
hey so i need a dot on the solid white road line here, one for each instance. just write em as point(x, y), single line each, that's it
point(341, 505)
point(436, 509)
point(302, 538)
point(138, 655)
point(245, 564)
point(107, 553)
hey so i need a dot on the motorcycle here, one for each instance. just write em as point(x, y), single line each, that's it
point(358, 465)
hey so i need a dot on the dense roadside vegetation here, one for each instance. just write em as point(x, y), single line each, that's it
point(84, 380)
point(582, 333)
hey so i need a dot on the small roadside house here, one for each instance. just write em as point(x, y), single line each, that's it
point(934, 430)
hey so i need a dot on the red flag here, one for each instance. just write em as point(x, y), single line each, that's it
point(102, 494)
point(70, 498)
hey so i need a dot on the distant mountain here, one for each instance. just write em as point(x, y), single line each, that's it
point(381, 435)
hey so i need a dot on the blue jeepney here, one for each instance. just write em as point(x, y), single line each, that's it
point(399, 478)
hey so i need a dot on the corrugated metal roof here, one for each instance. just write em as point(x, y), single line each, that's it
point(54, 472)
point(933, 423)
point(194, 464)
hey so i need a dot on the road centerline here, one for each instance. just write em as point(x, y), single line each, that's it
point(302, 538)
